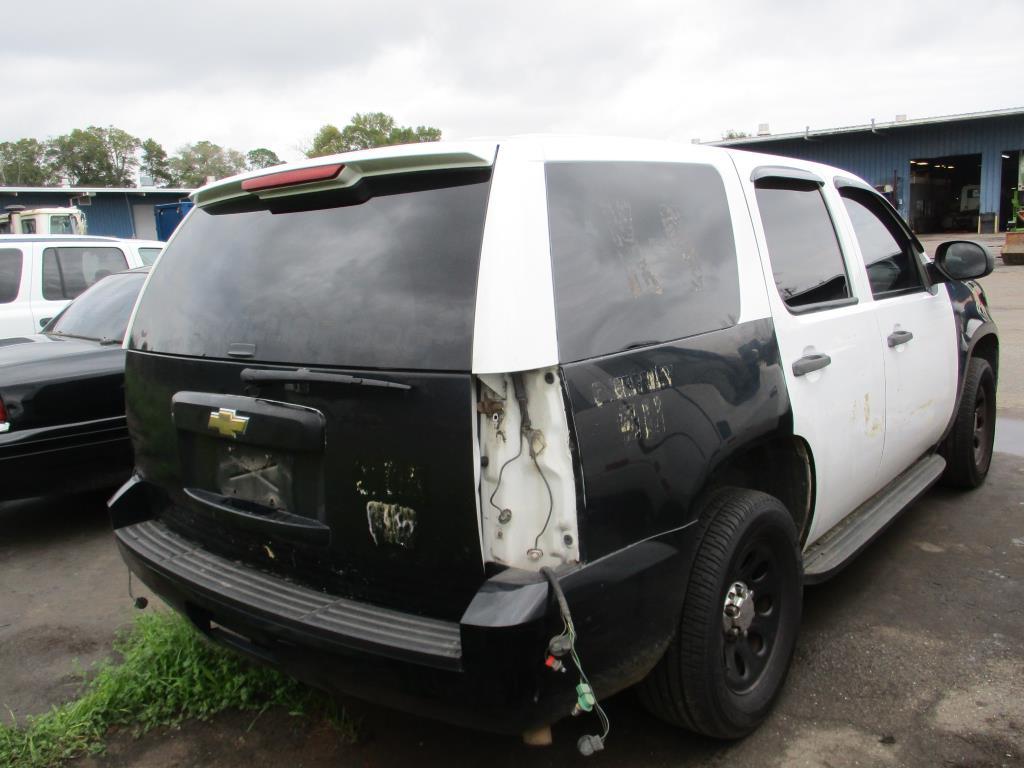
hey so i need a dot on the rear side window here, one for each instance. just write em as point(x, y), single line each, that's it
point(10, 274)
point(28, 226)
point(641, 253)
point(888, 252)
point(148, 255)
point(67, 272)
point(802, 245)
point(379, 275)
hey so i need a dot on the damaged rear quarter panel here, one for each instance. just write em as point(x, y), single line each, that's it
point(652, 424)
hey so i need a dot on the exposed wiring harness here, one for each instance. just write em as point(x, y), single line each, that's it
point(566, 642)
point(527, 431)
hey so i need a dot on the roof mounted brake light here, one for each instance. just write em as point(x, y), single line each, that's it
point(290, 178)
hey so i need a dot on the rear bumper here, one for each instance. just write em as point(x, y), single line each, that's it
point(64, 458)
point(485, 671)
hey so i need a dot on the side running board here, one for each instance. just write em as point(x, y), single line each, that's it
point(827, 556)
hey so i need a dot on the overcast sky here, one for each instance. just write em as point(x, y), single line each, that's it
point(249, 74)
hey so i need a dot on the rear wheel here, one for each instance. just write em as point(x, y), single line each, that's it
point(968, 449)
point(741, 613)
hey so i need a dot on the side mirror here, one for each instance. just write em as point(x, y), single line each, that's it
point(963, 260)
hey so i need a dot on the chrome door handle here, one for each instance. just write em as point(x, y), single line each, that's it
point(899, 337)
point(809, 363)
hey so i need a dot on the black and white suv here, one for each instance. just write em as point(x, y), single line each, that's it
point(428, 423)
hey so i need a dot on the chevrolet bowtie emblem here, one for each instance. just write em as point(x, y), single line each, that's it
point(228, 422)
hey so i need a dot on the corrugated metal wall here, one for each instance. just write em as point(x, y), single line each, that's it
point(110, 213)
point(877, 157)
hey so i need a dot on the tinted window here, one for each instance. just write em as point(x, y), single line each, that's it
point(379, 276)
point(28, 226)
point(67, 272)
point(886, 248)
point(148, 255)
point(101, 312)
point(641, 253)
point(10, 274)
point(802, 244)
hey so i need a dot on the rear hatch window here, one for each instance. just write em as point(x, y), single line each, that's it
point(379, 275)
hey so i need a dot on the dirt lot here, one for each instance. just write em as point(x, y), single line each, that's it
point(912, 656)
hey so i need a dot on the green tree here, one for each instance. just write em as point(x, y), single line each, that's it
point(194, 163)
point(327, 141)
point(261, 157)
point(23, 164)
point(733, 134)
point(155, 163)
point(94, 156)
point(373, 129)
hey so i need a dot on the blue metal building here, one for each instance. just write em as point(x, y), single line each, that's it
point(116, 212)
point(924, 166)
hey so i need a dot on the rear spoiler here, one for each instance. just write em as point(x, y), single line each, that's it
point(354, 166)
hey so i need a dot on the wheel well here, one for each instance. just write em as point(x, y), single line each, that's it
point(987, 348)
point(782, 467)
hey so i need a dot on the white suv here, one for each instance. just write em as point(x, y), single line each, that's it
point(428, 424)
point(40, 274)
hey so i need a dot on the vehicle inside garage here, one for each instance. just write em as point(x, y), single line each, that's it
point(945, 193)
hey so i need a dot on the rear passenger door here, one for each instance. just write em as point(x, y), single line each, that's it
point(66, 273)
point(916, 331)
point(15, 310)
point(827, 338)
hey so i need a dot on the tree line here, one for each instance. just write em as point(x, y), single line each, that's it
point(111, 157)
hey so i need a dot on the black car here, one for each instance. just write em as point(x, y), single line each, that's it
point(486, 430)
point(62, 423)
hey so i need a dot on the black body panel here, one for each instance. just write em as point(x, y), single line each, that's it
point(973, 323)
point(65, 401)
point(493, 678)
point(653, 424)
point(363, 491)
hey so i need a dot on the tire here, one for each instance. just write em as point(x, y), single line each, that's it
point(968, 448)
point(710, 681)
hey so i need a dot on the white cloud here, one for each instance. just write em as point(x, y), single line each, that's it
point(246, 75)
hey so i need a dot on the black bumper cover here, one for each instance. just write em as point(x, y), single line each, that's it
point(487, 671)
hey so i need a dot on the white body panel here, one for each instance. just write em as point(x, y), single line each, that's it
point(839, 410)
point(27, 313)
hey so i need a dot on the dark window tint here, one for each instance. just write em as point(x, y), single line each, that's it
point(10, 274)
point(802, 244)
point(67, 272)
point(641, 253)
point(101, 312)
point(379, 276)
point(887, 249)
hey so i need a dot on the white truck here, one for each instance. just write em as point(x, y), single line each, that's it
point(19, 220)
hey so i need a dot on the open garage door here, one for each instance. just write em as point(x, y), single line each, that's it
point(1011, 191)
point(945, 193)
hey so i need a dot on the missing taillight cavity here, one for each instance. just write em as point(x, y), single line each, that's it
point(290, 178)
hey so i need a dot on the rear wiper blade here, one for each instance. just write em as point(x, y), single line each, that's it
point(304, 375)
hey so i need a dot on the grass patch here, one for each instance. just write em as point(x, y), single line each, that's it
point(167, 673)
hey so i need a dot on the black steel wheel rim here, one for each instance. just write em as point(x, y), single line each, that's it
point(982, 429)
point(746, 653)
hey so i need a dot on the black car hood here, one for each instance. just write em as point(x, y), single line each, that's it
point(48, 379)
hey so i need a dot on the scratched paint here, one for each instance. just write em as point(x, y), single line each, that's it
point(642, 419)
point(646, 381)
point(391, 523)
